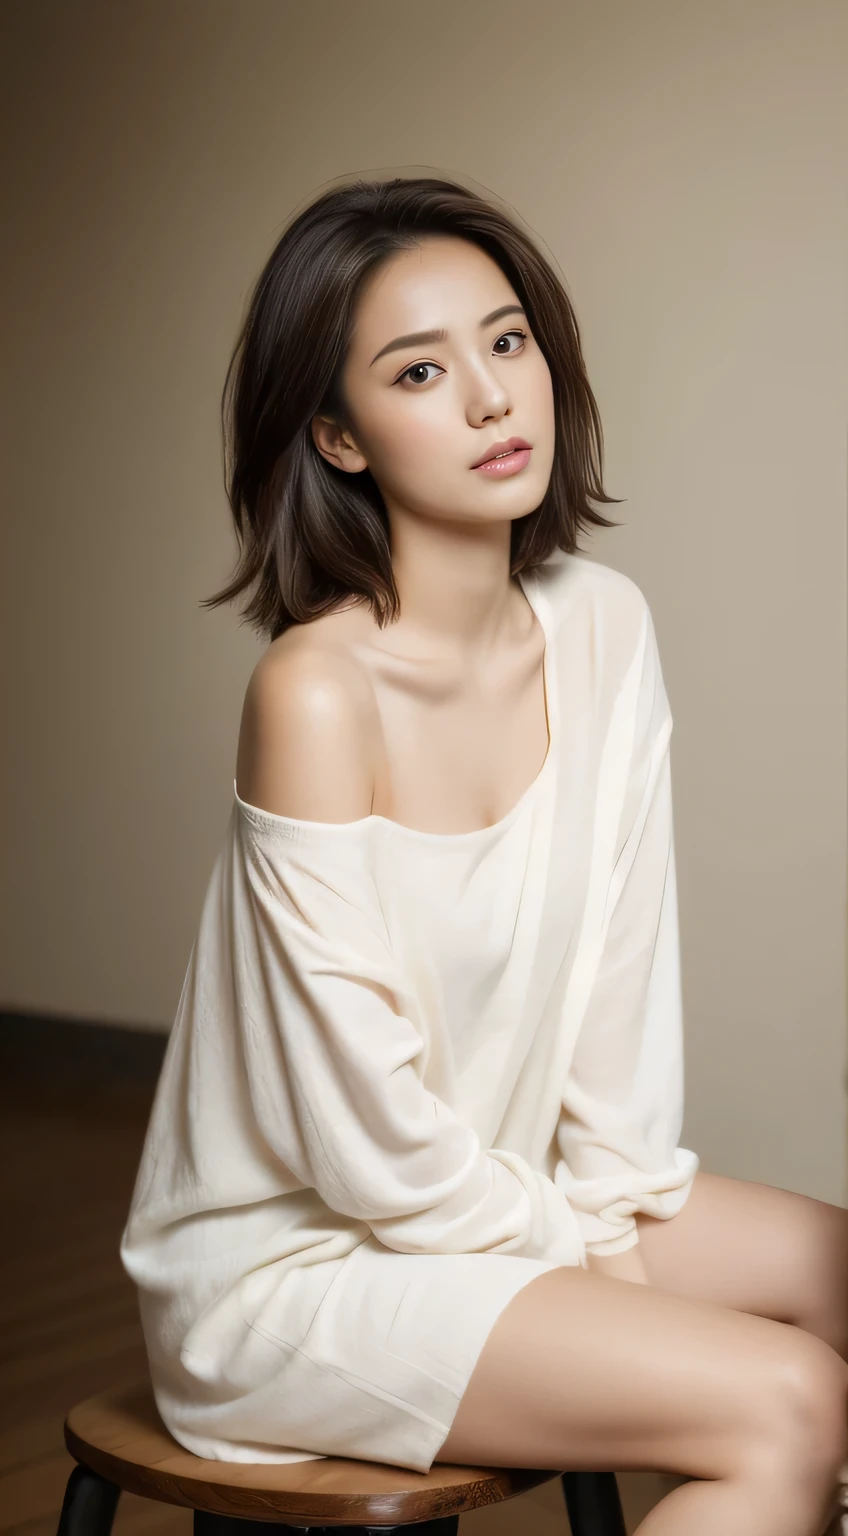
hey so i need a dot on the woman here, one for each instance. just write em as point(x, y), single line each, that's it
point(417, 1125)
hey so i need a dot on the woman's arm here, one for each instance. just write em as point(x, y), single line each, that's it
point(622, 1103)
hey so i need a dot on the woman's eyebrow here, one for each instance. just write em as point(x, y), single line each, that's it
point(418, 338)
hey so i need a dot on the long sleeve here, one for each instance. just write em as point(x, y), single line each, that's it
point(622, 1106)
point(335, 1056)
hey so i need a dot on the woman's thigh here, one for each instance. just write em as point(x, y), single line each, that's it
point(756, 1249)
point(585, 1370)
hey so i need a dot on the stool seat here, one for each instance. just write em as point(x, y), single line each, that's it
point(120, 1436)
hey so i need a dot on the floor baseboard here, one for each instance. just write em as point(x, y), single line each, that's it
point(69, 1045)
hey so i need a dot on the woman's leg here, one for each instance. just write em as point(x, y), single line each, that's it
point(585, 1371)
point(757, 1249)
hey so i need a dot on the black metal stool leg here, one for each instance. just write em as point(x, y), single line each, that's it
point(88, 1508)
point(593, 1504)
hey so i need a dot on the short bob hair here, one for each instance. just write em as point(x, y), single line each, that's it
point(310, 534)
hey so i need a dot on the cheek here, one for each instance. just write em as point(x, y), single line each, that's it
point(542, 394)
point(543, 418)
point(412, 437)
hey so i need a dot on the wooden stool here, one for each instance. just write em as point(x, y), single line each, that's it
point(120, 1442)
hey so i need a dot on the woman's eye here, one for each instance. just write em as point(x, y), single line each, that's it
point(521, 334)
point(417, 368)
point(414, 373)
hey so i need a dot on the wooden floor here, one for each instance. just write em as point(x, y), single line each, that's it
point(70, 1138)
point(71, 1132)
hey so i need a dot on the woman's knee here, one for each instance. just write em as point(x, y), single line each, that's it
point(592, 1371)
point(798, 1409)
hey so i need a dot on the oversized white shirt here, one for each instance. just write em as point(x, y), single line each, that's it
point(459, 1043)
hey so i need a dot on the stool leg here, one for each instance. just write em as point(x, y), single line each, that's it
point(593, 1504)
point(88, 1508)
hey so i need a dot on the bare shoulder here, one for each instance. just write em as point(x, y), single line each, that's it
point(309, 731)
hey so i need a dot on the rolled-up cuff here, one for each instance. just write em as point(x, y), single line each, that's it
point(604, 1237)
point(612, 1245)
point(606, 1204)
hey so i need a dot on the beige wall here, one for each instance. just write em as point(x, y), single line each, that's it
point(685, 165)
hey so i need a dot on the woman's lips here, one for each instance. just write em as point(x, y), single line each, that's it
point(510, 464)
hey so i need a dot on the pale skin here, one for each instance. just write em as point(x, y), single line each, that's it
point(716, 1347)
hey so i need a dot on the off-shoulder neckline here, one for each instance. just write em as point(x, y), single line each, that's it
point(539, 603)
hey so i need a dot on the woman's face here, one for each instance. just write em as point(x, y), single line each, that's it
point(424, 411)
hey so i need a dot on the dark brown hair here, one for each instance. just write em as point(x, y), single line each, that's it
point(309, 533)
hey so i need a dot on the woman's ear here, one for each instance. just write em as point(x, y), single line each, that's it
point(336, 445)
